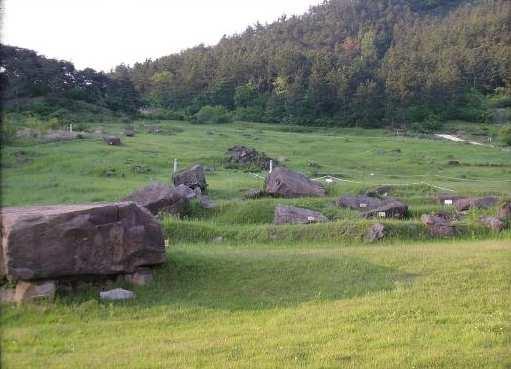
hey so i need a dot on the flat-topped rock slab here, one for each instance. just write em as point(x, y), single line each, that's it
point(52, 242)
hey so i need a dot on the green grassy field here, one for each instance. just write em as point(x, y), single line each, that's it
point(238, 292)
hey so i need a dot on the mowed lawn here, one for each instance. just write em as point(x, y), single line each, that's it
point(434, 305)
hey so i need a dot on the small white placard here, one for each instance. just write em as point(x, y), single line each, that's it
point(311, 219)
point(448, 202)
point(382, 214)
point(329, 180)
point(363, 205)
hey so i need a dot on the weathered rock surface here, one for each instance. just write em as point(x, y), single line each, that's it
point(493, 223)
point(293, 215)
point(286, 183)
point(193, 177)
point(359, 202)
point(205, 202)
point(117, 294)
point(242, 156)
point(34, 291)
point(475, 202)
point(158, 197)
point(111, 140)
point(505, 211)
point(380, 191)
point(375, 233)
point(50, 242)
point(438, 225)
point(390, 209)
point(129, 132)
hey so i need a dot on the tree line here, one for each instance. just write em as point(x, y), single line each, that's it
point(345, 62)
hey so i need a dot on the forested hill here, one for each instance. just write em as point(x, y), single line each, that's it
point(364, 62)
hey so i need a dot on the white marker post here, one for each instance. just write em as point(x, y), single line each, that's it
point(271, 165)
point(175, 166)
point(71, 128)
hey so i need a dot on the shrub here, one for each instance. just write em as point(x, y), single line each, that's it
point(505, 135)
point(212, 114)
point(250, 114)
point(162, 114)
point(429, 125)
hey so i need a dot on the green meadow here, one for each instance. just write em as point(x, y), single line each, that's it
point(239, 292)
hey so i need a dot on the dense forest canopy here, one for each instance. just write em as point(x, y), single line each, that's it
point(344, 62)
point(27, 75)
point(348, 61)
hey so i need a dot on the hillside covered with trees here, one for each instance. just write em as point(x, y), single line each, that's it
point(346, 62)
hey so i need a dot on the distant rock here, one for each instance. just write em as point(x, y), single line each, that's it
point(111, 140)
point(286, 183)
point(129, 132)
point(52, 242)
point(493, 223)
point(438, 225)
point(293, 215)
point(158, 197)
point(361, 202)
point(390, 209)
point(505, 211)
point(193, 177)
point(242, 156)
point(475, 203)
point(117, 294)
point(380, 191)
point(375, 233)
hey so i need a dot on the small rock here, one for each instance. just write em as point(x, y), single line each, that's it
point(438, 225)
point(475, 202)
point(390, 209)
point(495, 224)
point(111, 140)
point(129, 132)
point(34, 291)
point(140, 277)
point(453, 163)
point(205, 202)
point(294, 215)
point(359, 202)
point(117, 294)
point(375, 233)
point(218, 239)
point(505, 211)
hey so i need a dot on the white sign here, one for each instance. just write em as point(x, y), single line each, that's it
point(363, 205)
point(311, 219)
point(382, 214)
point(329, 180)
point(448, 202)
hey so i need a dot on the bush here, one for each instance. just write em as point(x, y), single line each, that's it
point(250, 114)
point(8, 132)
point(212, 114)
point(429, 125)
point(162, 114)
point(505, 135)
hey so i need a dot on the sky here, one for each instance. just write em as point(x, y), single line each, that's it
point(104, 33)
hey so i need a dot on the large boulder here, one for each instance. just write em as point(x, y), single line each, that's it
point(468, 203)
point(375, 233)
point(52, 242)
point(242, 156)
point(158, 197)
point(389, 209)
point(286, 183)
point(493, 223)
point(193, 177)
point(438, 225)
point(447, 198)
point(293, 215)
point(112, 140)
point(362, 202)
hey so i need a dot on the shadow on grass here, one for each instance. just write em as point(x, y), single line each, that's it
point(262, 280)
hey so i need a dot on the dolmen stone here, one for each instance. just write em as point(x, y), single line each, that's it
point(286, 183)
point(112, 140)
point(242, 156)
point(493, 223)
point(505, 211)
point(438, 225)
point(375, 233)
point(362, 202)
point(468, 203)
point(293, 215)
point(52, 242)
point(390, 209)
point(193, 177)
point(117, 294)
point(159, 197)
